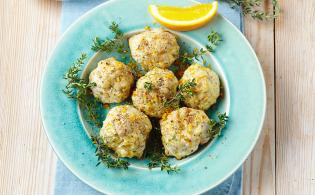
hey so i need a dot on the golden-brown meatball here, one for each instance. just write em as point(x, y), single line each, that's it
point(183, 130)
point(207, 88)
point(113, 81)
point(125, 130)
point(153, 90)
point(154, 48)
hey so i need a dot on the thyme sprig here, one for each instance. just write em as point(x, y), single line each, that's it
point(215, 127)
point(154, 151)
point(161, 160)
point(186, 88)
point(183, 90)
point(251, 7)
point(104, 155)
point(188, 58)
point(79, 89)
point(198, 55)
point(116, 30)
point(214, 39)
point(117, 44)
point(136, 70)
point(110, 45)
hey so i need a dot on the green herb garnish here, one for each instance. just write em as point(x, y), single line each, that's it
point(117, 44)
point(79, 89)
point(136, 70)
point(214, 39)
point(110, 45)
point(186, 88)
point(116, 30)
point(148, 86)
point(160, 160)
point(251, 7)
point(104, 155)
point(183, 90)
point(198, 55)
point(215, 127)
point(188, 58)
point(154, 151)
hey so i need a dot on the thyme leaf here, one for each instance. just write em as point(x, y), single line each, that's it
point(104, 155)
point(215, 127)
point(116, 30)
point(79, 89)
point(182, 91)
point(251, 7)
point(154, 151)
point(188, 58)
point(161, 160)
point(136, 70)
point(214, 39)
point(110, 45)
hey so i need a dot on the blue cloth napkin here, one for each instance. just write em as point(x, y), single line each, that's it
point(68, 184)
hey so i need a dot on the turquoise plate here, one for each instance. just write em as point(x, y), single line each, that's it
point(245, 101)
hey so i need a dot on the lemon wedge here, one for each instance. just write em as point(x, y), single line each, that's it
point(184, 18)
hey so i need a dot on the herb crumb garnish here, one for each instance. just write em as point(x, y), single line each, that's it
point(148, 86)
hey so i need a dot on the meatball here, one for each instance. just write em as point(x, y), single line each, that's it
point(113, 81)
point(125, 130)
point(183, 130)
point(154, 48)
point(207, 88)
point(153, 90)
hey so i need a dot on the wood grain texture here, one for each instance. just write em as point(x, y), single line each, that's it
point(259, 168)
point(295, 98)
point(29, 30)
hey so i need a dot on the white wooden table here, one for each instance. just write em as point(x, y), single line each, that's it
point(283, 161)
